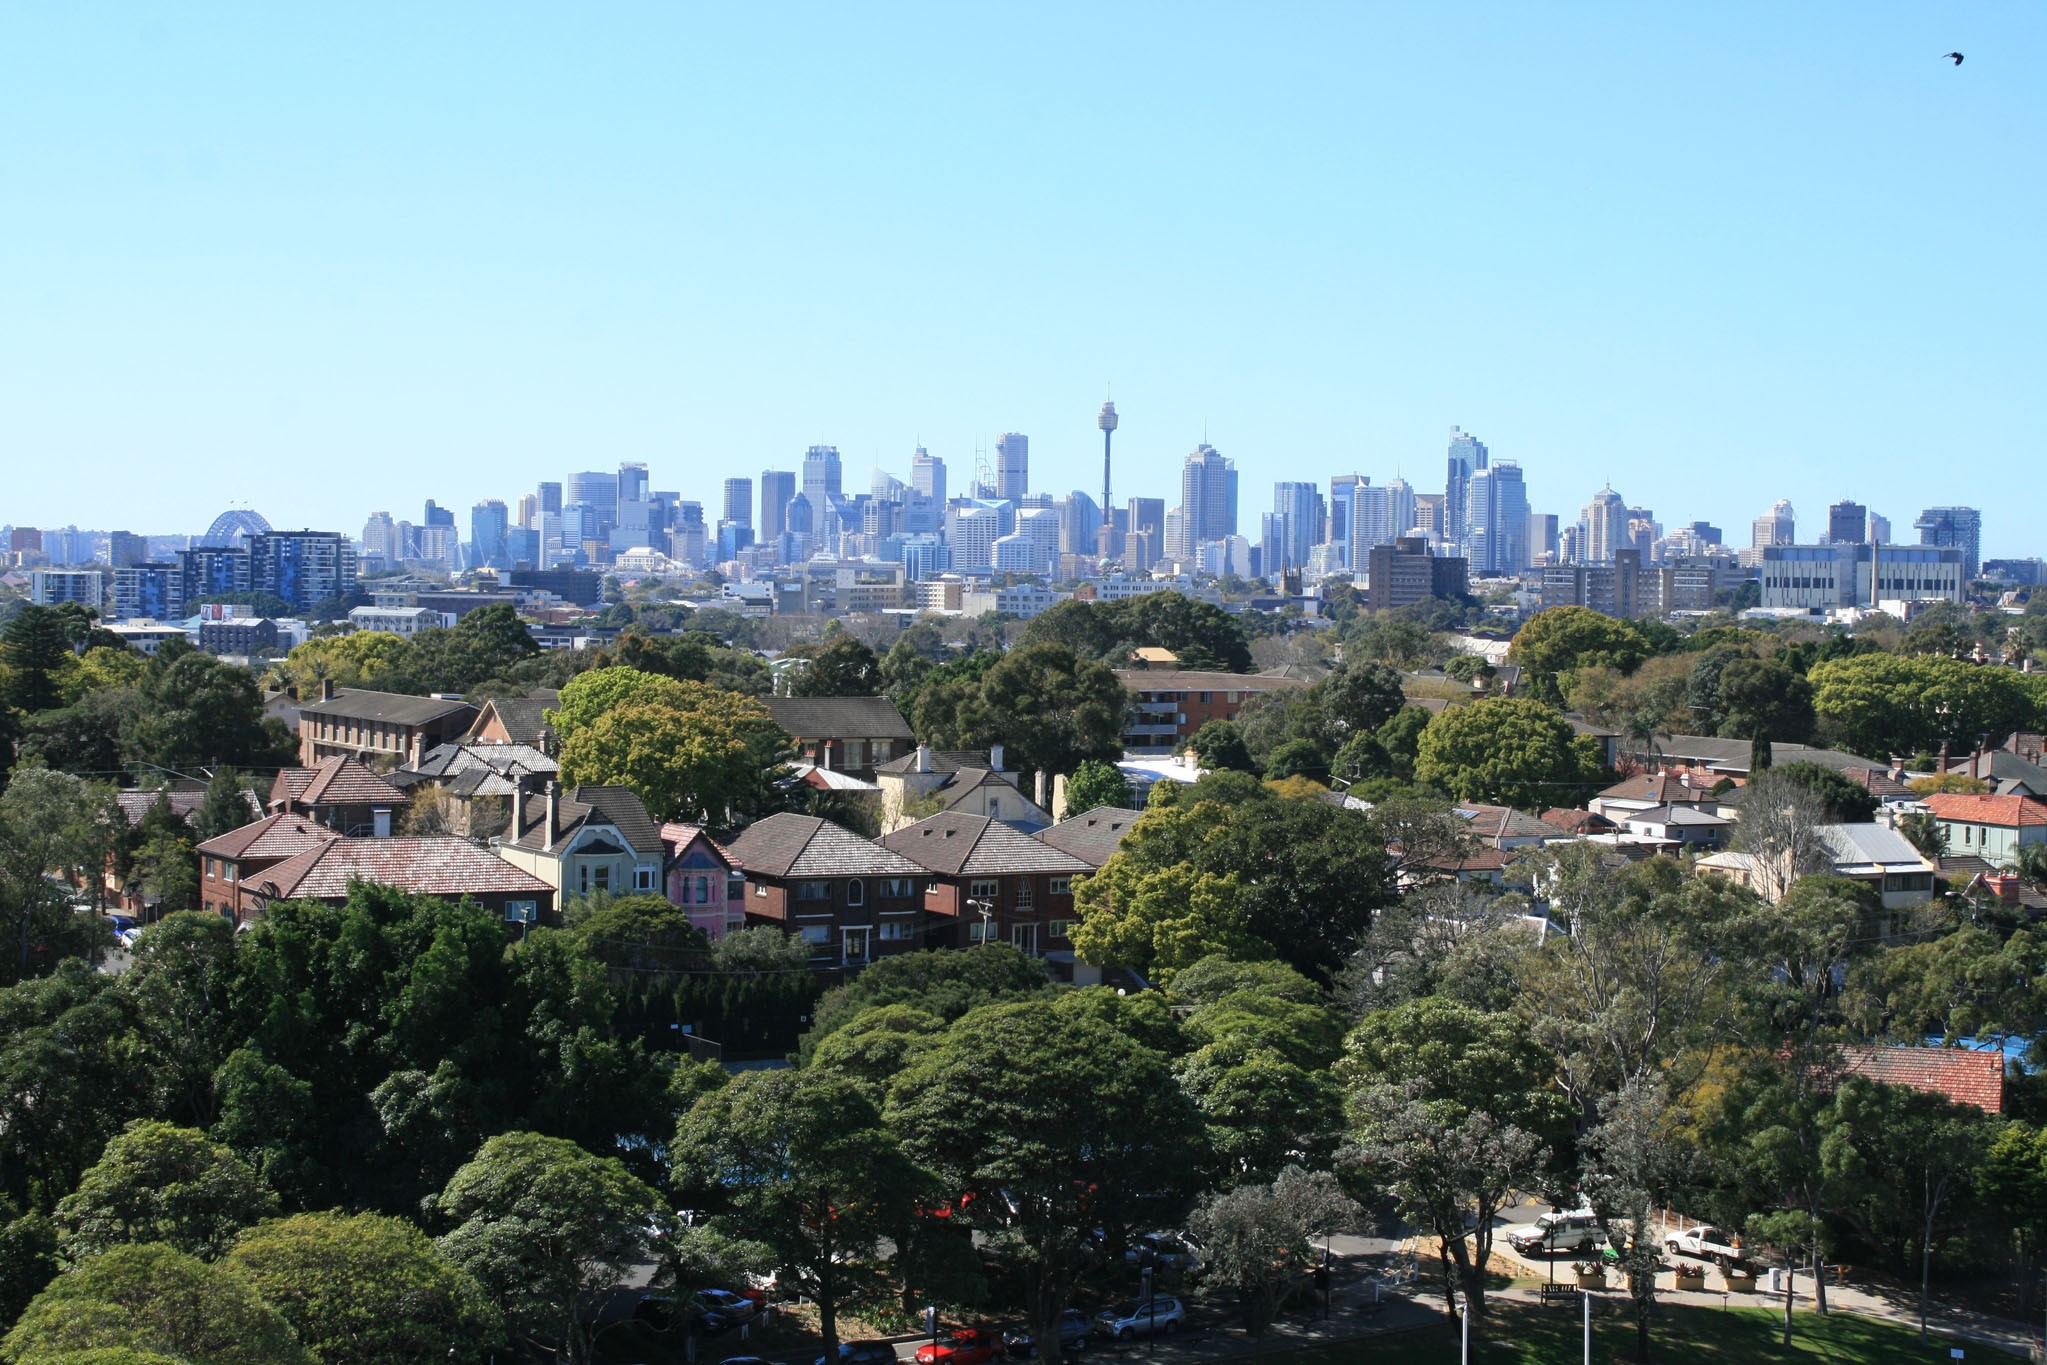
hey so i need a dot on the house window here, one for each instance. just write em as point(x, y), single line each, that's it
point(1061, 928)
point(813, 891)
point(895, 889)
point(520, 912)
point(597, 878)
point(1025, 897)
point(643, 879)
point(734, 889)
point(897, 931)
point(856, 892)
point(1060, 886)
point(980, 931)
point(816, 935)
point(984, 890)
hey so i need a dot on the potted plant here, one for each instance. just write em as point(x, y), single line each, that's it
point(1690, 1276)
point(1591, 1274)
point(1740, 1276)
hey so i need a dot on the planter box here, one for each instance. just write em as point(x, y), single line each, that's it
point(1738, 1282)
point(1591, 1279)
point(1691, 1279)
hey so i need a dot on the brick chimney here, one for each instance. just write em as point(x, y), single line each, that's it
point(554, 812)
point(2005, 884)
point(326, 689)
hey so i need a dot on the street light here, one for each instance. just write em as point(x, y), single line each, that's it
point(986, 909)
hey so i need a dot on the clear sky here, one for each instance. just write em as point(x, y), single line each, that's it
point(327, 259)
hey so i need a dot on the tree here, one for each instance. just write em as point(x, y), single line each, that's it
point(201, 713)
point(1926, 833)
point(178, 988)
point(1845, 800)
point(802, 1161)
point(1259, 1238)
point(1062, 1124)
point(1514, 751)
point(1763, 701)
point(1880, 704)
point(49, 822)
point(1300, 758)
point(1779, 830)
point(1561, 640)
point(36, 659)
point(1454, 1109)
point(1053, 709)
point(1360, 697)
point(842, 667)
point(1401, 738)
point(539, 1221)
point(1219, 744)
point(225, 808)
point(69, 1078)
point(941, 983)
point(1158, 921)
point(160, 1183)
point(877, 1044)
point(1095, 783)
point(364, 1289)
point(1795, 1237)
point(152, 1298)
point(689, 751)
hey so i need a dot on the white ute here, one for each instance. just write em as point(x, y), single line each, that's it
point(1706, 1243)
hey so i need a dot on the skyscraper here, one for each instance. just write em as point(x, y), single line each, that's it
point(632, 482)
point(1341, 488)
point(1379, 515)
point(487, 524)
point(1012, 465)
point(821, 479)
point(438, 516)
point(1206, 500)
point(1879, 529)
point(1954, 528)
point(1497, 515)
point(1847, 522)
point(1297, 508)
point(777, 487)
point(1778, 526)
point(550, 498)
point(379, 538)
point(739, 501)
point(596, 490)
point(1605, 527)
point(927, 476)
point(1467, 457)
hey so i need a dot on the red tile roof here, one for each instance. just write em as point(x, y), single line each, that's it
point(2009, 811)
point(436, 866)
point(343, 780)
point(1576, 821)
point(274, 836)
point(1975, 1078)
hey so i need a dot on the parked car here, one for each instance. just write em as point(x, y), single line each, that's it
point(121, 922)
point(746, 1360)
point(961, 1346)
point(662, 1312)
point(864, 1353)
point(1167, 1251)
point(1072, 1335)
point(1707, 1243)
point(1576, 1230)
point(724, 1303)
point(1139, 1317)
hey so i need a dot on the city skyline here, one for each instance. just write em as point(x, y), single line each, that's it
point(1795, 268)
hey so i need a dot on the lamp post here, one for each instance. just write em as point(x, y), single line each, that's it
point(986, 909)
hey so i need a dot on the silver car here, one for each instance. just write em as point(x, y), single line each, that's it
point(1137, 1317)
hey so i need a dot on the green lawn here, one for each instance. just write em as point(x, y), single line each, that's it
point(1682, 1336)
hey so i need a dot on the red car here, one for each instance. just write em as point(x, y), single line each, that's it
point(962, 1346)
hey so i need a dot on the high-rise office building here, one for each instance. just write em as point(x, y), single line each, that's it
point(1954, 528)
point(487, 525)
point(1778, 526)
point(777, 487)
point(380, 539)
point(632, 482)
point(1341, 488)
point(1207, 496)
point(1012, 465)
point(1542, 537)
point(1467, 457)
point(550, 499)
point(529, 512)
point(438, 516)
point(821, 479)
point(1298, 507)
point(739, 501)
point(927, 476)
point(1604, 525)
point(1379, 515)
point(1496, 511)
point(1847, 523)
point(1879, 529)
point(1080, 525)
point(596, 490)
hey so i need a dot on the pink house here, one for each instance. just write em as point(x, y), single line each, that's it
point(703, 880)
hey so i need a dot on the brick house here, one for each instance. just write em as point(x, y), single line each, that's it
point(373, 726)
point(991, 881)
point(1092, 836)
point(1966, 1077)
point(341, 793)
point(1171, 704)
point(846, 734)
point(703, 879)
point(586, 840)
point(518, 720)
point(229, 862)
point(850, 898)
point(440, 865)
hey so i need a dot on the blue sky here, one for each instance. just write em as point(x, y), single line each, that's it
point(330, 259)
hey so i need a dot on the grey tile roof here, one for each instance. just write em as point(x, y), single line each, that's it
point(524, 718)
point(956, 845)
point(791, 845)
point(839, 717)
point(582, 807)
point(942, 761)
point(1731, 755)
point(1094, 836)
point(391, 708)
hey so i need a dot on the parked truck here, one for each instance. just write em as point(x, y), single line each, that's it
point(1706, 1243)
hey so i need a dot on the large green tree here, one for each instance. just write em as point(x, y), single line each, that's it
point(1260, 1238)
point(152, 1298)
point(539, 1221)
point(1883, 704)
point(160, 1183)
point(1557, 642)
point(1051, 708)
point(1513, 751)
point(365, 1289)
point(843, 666)
point(691, 752)
point(1063, 1124)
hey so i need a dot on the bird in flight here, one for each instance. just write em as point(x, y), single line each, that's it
point(1956, 56)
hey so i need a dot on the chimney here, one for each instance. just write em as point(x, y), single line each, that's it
point(518, 807)
point(995, 757)
point(380, 822)
point(824, 755)
point(2005, 884)
point(1943, 757)
point(1041, 789)
point(554, 811)
point(923, 758)
point(326, 689)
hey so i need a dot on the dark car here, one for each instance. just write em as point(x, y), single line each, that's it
point(1073, 1331)
point(864, 1353)
point(661, 1312)
point(961, 1346)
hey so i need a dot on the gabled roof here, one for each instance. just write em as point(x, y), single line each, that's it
point(343, 780)
point(1965, 1077)
point(1870, 848)
point(186, 803)
point(2012, 812)
point(585, 807)
point(791, 845)
point(959, 787)
point(1575, 821)
point(1676, 815)
point(1504, 822)
point(459, 756)
point(283, 835)
point(956, 845)
point(524, 718)
point(941, 761)
point(435, 866)
point(839, 717)
point(1660, 789)
point(677, 838)
point(1732, 755)
point(1092, 837)
point(391, 708)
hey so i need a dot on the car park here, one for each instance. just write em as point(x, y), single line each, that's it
point(961, 1346)
point(1073, 1333)
point(1140, 1317)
